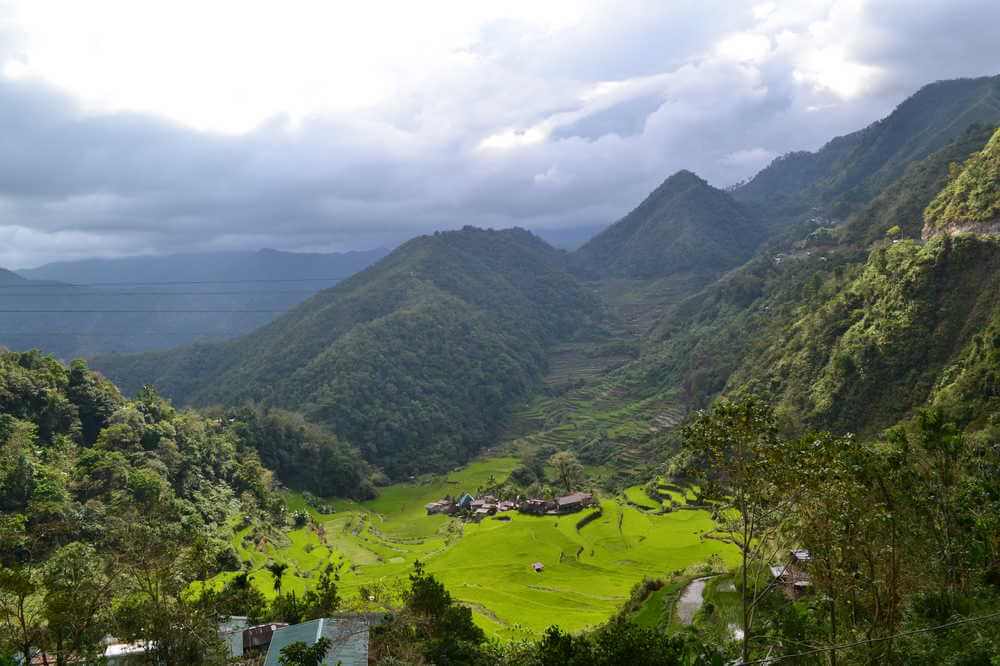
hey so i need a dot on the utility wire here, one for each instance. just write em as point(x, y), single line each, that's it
point(63, 285)
point(142, 311)
point(843, 646)
point(75, 294)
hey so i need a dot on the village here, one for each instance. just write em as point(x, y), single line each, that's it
point(477, 508)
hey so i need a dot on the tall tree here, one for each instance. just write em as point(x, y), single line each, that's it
point(22, 621)
point(78, 596)
point(277, 570)
point(568, 470)
point(736, 453)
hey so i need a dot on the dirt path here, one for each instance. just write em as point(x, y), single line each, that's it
point(691, 600)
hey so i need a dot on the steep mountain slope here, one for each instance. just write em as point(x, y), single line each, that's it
point(971, 201)
point(685, 225)
point(139, 304)
point(902, 203)
point(850, 170)
point(877, 346)
point(845, 337)
point(416, 360)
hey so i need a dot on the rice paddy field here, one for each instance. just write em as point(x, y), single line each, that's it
point(589, 568)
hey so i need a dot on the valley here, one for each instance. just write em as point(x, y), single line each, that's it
point(589, 570)
point(784, 393)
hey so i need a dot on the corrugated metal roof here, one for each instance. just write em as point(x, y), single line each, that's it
point(574, 498)
point(348, 635)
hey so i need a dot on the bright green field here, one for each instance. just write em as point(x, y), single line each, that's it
point(588, 572)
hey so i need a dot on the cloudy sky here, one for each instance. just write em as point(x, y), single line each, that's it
point(131, 127)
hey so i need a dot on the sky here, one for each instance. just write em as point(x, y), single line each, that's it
point(136, 127)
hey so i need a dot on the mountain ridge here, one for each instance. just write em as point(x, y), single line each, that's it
point(416, 360)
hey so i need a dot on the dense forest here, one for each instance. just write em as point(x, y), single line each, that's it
point(416, 360)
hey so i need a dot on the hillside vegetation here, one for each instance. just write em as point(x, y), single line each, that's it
point(971, 201)
point(850, 170)
point(417, 360)
point(684, 226)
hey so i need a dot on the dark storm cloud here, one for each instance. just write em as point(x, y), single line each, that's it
point(543, 133)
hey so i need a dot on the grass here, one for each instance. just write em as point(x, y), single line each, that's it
point(636, 495)
point(588, 572)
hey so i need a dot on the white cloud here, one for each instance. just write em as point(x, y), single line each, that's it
point(744, 47)
point(137, 127)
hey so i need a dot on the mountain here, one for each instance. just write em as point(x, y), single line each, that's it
point(850, 170)
point(900, 206)
point(684, 226)
point(10, 277)
point(971, 201)
point(264, 264)
point(415, 360)
point(856, 330)
point(135, 304)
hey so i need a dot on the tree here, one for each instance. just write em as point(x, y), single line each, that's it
point(568, 470)
point(324, 599)
point(738, 456)
point(21, 611)
point(277, 570)
point(300, 654)
point(78, 595)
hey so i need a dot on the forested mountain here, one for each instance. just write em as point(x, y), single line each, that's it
point(971, 200)
point(136, 304)
point(850, 170)
point(684, 226)
point(853, 329)
point(416, 360)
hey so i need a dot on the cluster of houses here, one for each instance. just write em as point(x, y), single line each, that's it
point(479, 507)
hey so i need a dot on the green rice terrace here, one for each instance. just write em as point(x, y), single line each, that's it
point(590, 563)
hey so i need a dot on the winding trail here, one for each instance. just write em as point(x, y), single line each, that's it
point(691, 599)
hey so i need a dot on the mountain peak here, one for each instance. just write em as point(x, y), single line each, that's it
point(684, 225)
point(9, 276)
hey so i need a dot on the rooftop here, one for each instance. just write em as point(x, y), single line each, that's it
point(349, 638)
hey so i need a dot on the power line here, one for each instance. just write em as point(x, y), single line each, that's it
point(843, 646)
point(75, 294)
point(142, 311)
point(63, 285)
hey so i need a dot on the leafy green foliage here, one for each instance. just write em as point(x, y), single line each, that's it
point(973, 195)
point(303, 455)
point(109, 509)
point(900, 205)
point(300, 654)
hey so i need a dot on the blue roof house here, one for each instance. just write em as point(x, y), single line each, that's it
point(348, 636)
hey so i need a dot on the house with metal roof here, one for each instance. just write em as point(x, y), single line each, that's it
point(573, 502)
point(348, 640)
